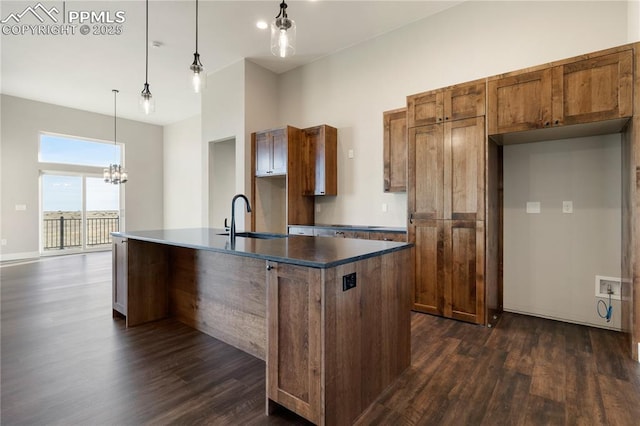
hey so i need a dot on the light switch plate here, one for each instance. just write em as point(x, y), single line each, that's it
point(533, 207)
point(350, 153)
point(21, 207)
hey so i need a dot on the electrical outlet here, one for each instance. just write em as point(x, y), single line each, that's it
point(350, 153)
point(567, 207)
point(533, 207)
point(21, 207)
point(3, 242)
point(348, 281)
point(385, 207)
point(318, 208)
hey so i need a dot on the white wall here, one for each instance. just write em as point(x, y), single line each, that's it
point(351, 89)
point(182, 171)
point(23, 120)
point(551, 259)
point(633, 21)
point(223, 117)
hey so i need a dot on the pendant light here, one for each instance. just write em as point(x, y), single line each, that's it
point(147, 103)
point(283, 34)
point(198, 76)
point(115, 174)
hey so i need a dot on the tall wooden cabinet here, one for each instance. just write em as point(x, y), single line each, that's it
point(321, 160)
point(446, 205)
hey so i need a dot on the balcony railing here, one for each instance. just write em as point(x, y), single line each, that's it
point(64, 233)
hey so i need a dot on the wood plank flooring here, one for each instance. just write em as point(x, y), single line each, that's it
point(65, 361)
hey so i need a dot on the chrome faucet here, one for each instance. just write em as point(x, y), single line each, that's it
point(232, 231)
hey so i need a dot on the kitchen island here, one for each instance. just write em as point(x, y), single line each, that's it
point(331, 317)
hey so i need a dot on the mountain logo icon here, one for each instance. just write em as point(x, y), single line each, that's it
point(39, 11)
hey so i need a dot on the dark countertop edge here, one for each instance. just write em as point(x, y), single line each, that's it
point(298, 262)
point(362, 228)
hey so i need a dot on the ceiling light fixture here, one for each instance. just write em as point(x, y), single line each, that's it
point(147, 103)
point(283, 34)
point(199, 76)
point(114, 173)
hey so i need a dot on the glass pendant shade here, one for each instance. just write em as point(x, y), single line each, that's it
point(147, 103)
point(283, 37)
point(198, 74)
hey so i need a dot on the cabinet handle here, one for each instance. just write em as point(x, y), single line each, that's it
point(440, 119)
point(411, 218)
point(339, 233)
point(557, 121)
point(446, 118)
point(269, 267)
point(546, 124)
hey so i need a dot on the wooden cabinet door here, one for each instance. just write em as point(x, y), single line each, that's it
point(294, 367)
point(426, 172)
point(464, 101)
point(428, 289)
point(594, 89)
point(395, 150)
point(520, 102)
point(263, 153)
point(425, 108)
point(119, 276)
point(279, 151)
point(464, 148)
point(464, 270)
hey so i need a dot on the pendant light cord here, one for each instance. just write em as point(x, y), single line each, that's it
point(196, 26)
point(115, 126)
point(146, 69)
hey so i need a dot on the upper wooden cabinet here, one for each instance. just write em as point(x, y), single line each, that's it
point(592, 89)
point(395, 150)
point(451, 103)
point(271, 150)
point(321, 160)
point(446, 170)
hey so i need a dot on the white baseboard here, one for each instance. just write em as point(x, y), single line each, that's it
point(19, 256)
point(559, 318)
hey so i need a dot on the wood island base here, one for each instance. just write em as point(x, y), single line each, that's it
point(333, 338)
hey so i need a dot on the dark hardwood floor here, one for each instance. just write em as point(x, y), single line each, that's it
point(65, 361)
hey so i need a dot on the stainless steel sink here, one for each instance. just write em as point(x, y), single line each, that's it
point(259, 235)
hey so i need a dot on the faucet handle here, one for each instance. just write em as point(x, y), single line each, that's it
point(226, 226)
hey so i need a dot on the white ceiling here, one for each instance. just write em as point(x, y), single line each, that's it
point(79, 71)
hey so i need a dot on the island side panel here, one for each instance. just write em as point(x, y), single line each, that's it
point(147, 272)
point(221, 295)
point(367, 333)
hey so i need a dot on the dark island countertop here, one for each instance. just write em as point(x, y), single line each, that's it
point(315, 252)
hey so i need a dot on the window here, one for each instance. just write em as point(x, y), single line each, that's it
point(78, 209)
point(82, 152)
